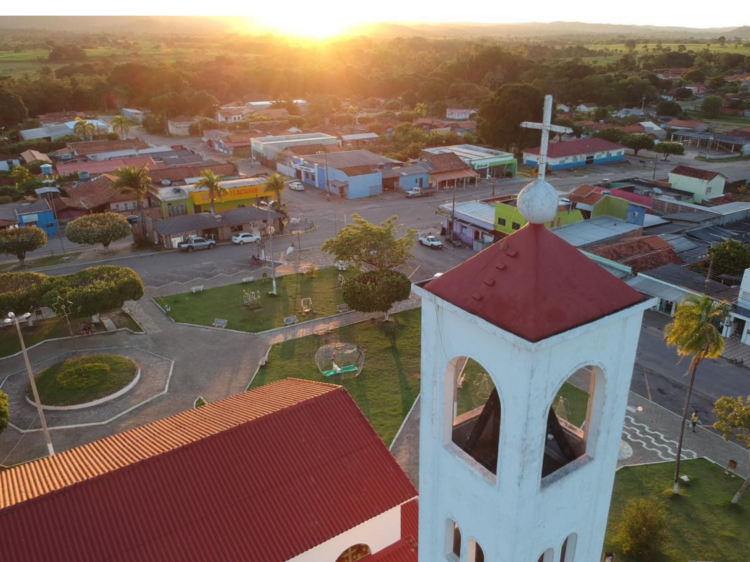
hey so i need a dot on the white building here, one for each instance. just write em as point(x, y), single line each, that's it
point(459, 114)
point(509, 480)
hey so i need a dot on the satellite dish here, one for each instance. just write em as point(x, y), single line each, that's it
point(658, 191)
point(166, 182)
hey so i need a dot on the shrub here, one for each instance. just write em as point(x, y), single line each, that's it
point(96, 289)
point(99, 228)
point(86, 375)
point(4, 412)
point(642, 529)
point(22, 292)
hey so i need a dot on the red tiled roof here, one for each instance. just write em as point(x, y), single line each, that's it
point(642, 200)
point(686, 124)
point(576, 147)
point(642, 253)
point(696, 173)
point(445, 162)
point(534, 285)
point(404, 550)
point(585, 194)
point(96, 193)
point(180, 173)
point(262, 476)
point(733, 77)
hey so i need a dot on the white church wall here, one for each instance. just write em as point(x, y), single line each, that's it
point(516, 516)
point(377, 533)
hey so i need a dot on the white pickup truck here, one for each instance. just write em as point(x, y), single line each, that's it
point(430, 241)
point(419, 192)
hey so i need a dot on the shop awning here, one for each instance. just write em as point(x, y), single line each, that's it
point(657, 289)
point(454, 175)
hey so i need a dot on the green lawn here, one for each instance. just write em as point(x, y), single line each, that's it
point(386, 388)
point(53, 328)
point(703, 525)
point(735, 120)
point(641, 49)
point(227, 302)
point(121, 371)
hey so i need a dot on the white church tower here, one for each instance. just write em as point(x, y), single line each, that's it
point(515, 464)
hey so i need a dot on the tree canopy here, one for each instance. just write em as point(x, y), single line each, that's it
point(376, 291)
point(729, 257)
point(368, 245)
point(12, 108)
point(638, 142)
point(712, 105)
point(667, 148)
point(733, 422)
point(99, 228)
point(499, 118)
point(19, 241)
point(22, 292)
point(4, 412)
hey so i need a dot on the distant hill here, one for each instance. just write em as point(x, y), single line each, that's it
point(204, 25)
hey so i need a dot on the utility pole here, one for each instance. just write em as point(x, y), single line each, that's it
point(32, 382)
point(708, 275)
point(328, 185)
point(656, 159)
point(493, 186)
point(453, 215)
point(270, 248)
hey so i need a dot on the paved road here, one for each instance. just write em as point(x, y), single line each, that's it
point(659, 376)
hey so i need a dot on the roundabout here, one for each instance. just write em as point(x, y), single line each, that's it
point(83, 381)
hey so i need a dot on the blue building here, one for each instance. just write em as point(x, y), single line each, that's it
point(576, 153)
point(405, 178)
point(352, 174)
point(37, 213)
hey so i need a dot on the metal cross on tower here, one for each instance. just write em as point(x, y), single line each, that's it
point(546, 126)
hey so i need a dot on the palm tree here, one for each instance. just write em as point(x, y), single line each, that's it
point(134, 181)
point(121, 126)
point(695, 334)
point(211, 181)
point(83, 128)
point(276, 183)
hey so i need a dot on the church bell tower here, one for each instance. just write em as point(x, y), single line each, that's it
point(527, 356)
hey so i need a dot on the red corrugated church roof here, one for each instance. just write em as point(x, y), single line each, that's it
point(534, 285)
point(262, 476)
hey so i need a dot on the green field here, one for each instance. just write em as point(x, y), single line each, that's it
point(641, 47)
point(703, 525)
point(386, 388)
point(227, 302)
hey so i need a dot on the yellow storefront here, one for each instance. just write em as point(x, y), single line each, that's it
point(239, 196)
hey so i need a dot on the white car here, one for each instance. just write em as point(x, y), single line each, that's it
point(245, 238)
point(296, 186)
point(430, 241)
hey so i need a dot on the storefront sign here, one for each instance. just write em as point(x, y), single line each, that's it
point(234, 194)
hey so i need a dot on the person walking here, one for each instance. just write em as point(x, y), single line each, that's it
point(694, 420)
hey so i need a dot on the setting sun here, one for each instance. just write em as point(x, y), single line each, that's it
point(316, 24)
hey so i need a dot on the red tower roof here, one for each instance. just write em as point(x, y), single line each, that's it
point(534, 285)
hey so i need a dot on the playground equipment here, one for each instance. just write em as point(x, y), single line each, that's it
point(306, 306)
point(340, 359)
point(251, 299)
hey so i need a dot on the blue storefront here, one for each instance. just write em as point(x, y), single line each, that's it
point(37, 214)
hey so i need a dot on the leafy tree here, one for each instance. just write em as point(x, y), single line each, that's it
point(694, 75)
point(12, 108)
point(611, 134)
point(642, 529)
point(19, 241)
point(712, 105)
point(683, 93)
point(21, 174)
point(667, 148)
point(372, 246)
point(121, 126)
point(717, 83)
point(729, 257)
point(630, 44)
point(96, 289)
point(64, 53)
point(84, 129)
point(276, 183)
point(601, 114)
point(134, 181)
point(669, 108)
point(22, 292)
point(154, 124)
point(638, 142)
point(694, 333)
point(99, 228)
point(376, 291)
point(500, 116)
point(212, 183)
point(734, 423)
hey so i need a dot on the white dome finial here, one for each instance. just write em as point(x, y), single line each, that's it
point(538, 202)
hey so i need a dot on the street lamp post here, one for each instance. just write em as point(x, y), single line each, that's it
point(12, 318)
point(270, 247)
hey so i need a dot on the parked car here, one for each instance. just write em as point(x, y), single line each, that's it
point(132, 219)
point(196, 243)
point(430, 241)
point(296, 186)
point(419, 192)
point(245, 238)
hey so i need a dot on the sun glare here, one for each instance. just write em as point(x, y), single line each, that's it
point(314, 25)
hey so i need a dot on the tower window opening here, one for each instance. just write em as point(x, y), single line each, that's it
point(568, 550)
point(476, 412)
point(476, 554)
point(453, 540)
point(569, 421)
